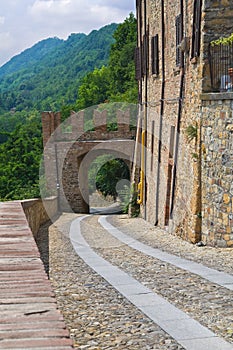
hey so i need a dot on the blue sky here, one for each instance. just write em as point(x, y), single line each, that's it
point(25, 22)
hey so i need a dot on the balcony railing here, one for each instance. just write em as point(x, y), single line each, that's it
point(221, 67)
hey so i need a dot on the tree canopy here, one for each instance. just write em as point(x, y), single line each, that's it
point(114, 82)
point(20, 158)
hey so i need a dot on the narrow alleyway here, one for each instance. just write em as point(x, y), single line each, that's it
point(136, 287)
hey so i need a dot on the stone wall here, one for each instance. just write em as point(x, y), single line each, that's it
point(70, 148)
point(89, 125)
point(38, 212)
point(217, 169)
point(170, 105)
point(172, 172)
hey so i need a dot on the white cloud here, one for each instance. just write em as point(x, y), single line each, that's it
point(54, 7)
point(6, 42)
point(84, 16)
point(2, 20)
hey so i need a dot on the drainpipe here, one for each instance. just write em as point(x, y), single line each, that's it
point(142, 183)
point(180, 107)
point(57, 179)
point(145, 110)
point(161, 112)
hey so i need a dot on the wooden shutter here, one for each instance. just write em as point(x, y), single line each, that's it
point(155, 54)
point(138, 70)
point(178, 39)
point(196, 28)
point(145, 56)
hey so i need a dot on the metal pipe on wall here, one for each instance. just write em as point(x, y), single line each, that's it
point(145, 108)
point(180, 107)
point(161, 112)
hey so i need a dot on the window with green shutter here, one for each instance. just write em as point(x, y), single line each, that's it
point(196, 36)
point(138, 67)
point(155, 54)
point(145, 50)
point(179, 36)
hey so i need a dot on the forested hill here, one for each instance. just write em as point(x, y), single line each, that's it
point(47, 76)
point(32, 55)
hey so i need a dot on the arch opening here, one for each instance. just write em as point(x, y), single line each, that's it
point(109, 184)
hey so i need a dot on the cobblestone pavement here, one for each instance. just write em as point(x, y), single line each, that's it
point(100, 318)
point(218, 258)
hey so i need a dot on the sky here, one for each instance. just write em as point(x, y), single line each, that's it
point(25, 22)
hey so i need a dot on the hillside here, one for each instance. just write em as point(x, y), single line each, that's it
point(47, 76)
point(30, 56)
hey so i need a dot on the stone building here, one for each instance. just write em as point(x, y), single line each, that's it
point(185, 126)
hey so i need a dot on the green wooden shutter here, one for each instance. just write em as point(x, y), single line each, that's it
point(196, 36)
point(155, 54)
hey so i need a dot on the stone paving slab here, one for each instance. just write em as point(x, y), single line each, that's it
point(31, 342)
point(205, 344)
point(31, 325)
point(10, 317)
point(23, 292)
point(29, 317)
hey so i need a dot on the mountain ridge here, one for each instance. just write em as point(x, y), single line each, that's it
point(18, 60)
point(48, 74)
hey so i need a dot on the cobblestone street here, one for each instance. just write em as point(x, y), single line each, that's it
point(100, 315)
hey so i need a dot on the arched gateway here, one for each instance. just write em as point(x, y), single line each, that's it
point(69, 151)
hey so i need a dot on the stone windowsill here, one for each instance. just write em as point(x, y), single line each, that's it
point(216, 96)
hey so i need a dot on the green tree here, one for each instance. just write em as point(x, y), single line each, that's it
point(109, 175)
point(121, 64)
point(116, 82)
point(20, 158)
point(94, 88)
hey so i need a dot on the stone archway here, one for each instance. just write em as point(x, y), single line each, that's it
point(67, 155)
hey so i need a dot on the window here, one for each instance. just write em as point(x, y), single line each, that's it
point(145, 55)
point(152, 144)
point(196, 29)
point(179, 36)
point(138, 69)
point(155, 54)
point(172, 141)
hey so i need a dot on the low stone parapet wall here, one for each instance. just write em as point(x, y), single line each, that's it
point(30, 318)
point(39, 211)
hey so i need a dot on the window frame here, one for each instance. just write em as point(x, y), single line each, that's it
point(179, 37)
point(155, 54)
point(138, 64)
point(196, 34)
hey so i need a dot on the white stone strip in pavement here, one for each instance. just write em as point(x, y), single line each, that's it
point(185, 330)
point(221, 278)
